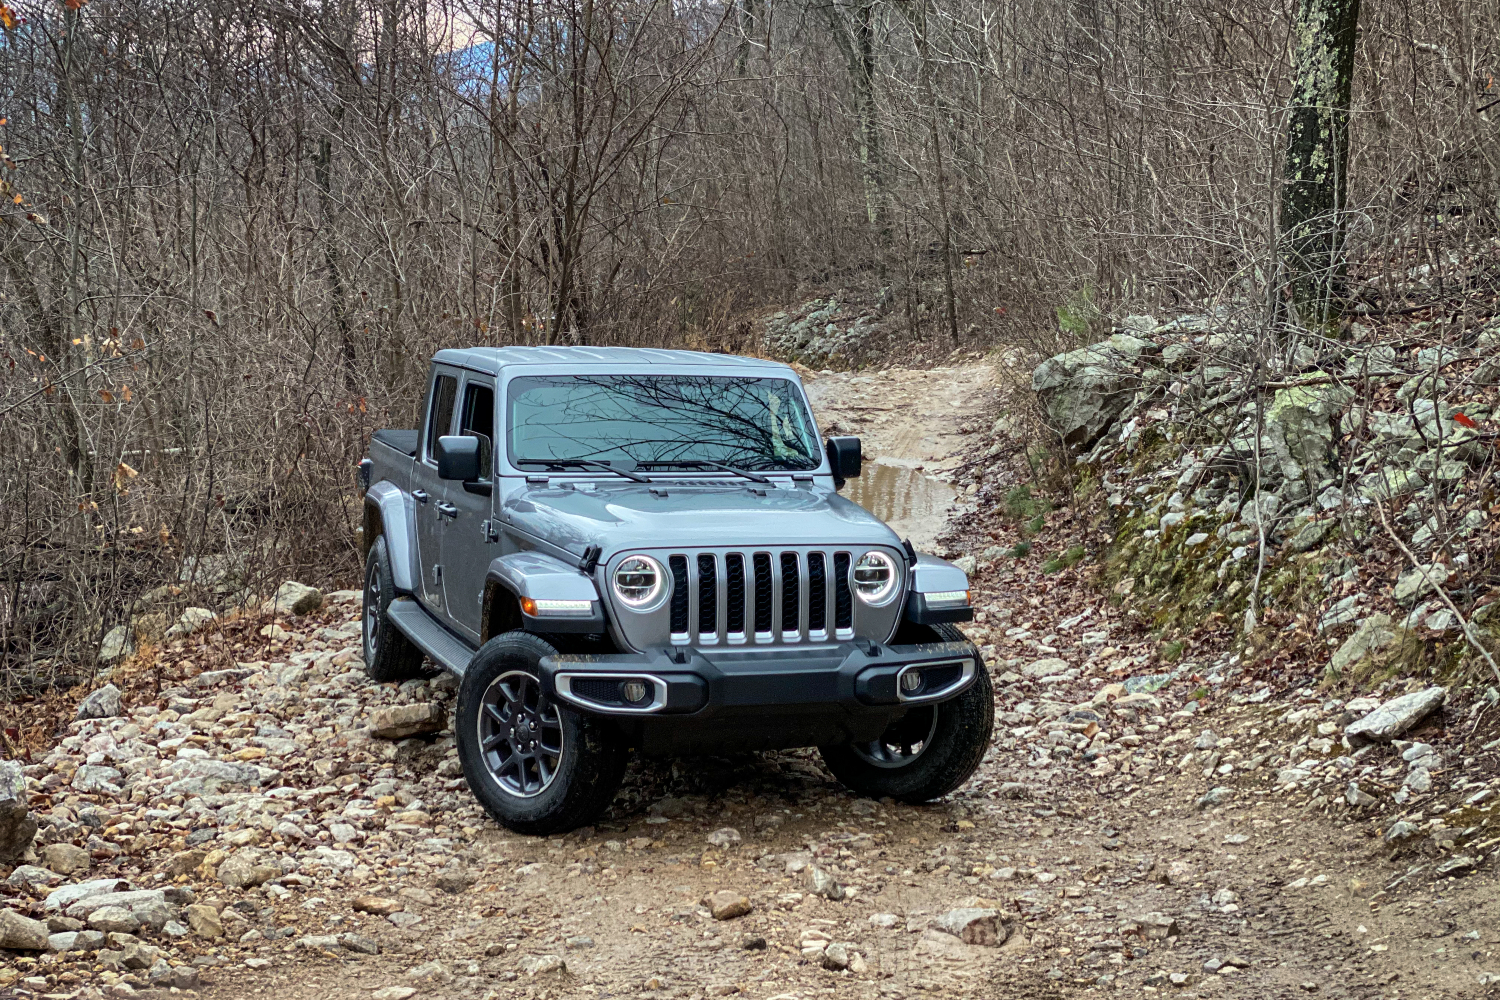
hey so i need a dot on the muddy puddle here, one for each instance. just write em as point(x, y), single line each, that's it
point(914, 504)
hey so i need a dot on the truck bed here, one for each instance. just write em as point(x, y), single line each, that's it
point(404, 441)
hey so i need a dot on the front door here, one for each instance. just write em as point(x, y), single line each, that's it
point(467, 549)
point(428, 490)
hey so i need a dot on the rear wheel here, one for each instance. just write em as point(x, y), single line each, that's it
point(535, 765)
point(389, 654)
point(929, 751)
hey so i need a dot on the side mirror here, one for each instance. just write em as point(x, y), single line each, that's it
point(845, 457)
point(458, 457)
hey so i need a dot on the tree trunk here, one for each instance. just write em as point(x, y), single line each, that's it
point(919, 27)
point(1315, 178)
point(869, 129)
point(856, 41)
point(338, 305)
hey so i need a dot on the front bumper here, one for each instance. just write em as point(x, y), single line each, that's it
point(689, 681)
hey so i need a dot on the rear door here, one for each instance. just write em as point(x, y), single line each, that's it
point(467, 506)
point(428, 490)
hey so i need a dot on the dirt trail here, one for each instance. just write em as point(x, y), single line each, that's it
point(913, 425)
point(1082, 830)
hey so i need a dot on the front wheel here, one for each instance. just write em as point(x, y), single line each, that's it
point(538, 767)
point(928, 752)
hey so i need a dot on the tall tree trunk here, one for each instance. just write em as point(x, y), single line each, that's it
point(856, 41)
point(869, 130)
point(323, 176)
point(1315, 178)
point(918, 19)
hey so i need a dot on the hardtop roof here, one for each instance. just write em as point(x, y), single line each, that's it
point(492, 359)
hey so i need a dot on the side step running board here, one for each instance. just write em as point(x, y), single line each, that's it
point(441, 646)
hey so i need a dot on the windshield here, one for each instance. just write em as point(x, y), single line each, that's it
point(750, 423)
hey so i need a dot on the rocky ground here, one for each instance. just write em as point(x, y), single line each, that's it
point(252, 817)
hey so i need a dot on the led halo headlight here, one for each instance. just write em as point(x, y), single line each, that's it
point(640, 582)
point(875, 578)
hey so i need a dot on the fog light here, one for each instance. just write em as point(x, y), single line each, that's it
point(911, 681)
point(635, 692)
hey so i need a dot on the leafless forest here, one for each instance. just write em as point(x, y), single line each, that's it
point(233, 232)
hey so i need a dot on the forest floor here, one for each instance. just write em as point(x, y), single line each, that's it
point(1089, 835)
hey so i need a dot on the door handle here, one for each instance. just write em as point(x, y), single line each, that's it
point(420, 496)
point(448, 509)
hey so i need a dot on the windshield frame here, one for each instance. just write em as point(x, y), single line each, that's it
point(533, 467)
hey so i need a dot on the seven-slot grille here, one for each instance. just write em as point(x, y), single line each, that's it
point(781, 596)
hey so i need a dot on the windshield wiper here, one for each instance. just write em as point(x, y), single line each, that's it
point(754, 477)
point(585, 463)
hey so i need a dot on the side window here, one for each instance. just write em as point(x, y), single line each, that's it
point(478, 420)
point(440, 417)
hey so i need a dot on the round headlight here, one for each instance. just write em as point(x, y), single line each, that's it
point(640, 582)
point(875, 578)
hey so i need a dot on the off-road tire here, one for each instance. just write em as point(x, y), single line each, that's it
point(958, 742)
point(389, 655)
point(588, 771)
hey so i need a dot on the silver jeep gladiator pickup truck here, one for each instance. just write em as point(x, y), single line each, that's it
point(617, 548)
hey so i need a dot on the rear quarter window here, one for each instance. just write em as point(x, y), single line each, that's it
point(440, 415)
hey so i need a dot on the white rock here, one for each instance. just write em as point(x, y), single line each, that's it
point(295, 598)
point(118, 643)
point(1395, 717)
point(724, 837)
point(96, 779)
point(60, 899)
point(1420, 580)
point(973, 925)
point(190, 621)
point(101, 704)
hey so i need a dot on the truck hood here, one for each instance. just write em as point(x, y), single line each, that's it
point(632, 516)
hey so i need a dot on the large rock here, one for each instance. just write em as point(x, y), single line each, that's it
point(973, 925)
point(1083, 392)
point(96, 779)
point(60, 899)
point(17, 826)
point(117, 644)
point(65, 859)
point(204, 921)
point(190, 621)
point(148, 906)
point(1045, 667)
point(113, 920)
point(22, 933)
point(295, 599)
point(1374, 634)
point(201, 776)
point(1420, 580)
point(101, 704)
point(1396, 716)
point(821, 883)
point(726, 904)
point(397, 722)
point(538, 965)
point(247, 869)
point(1300, 424)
